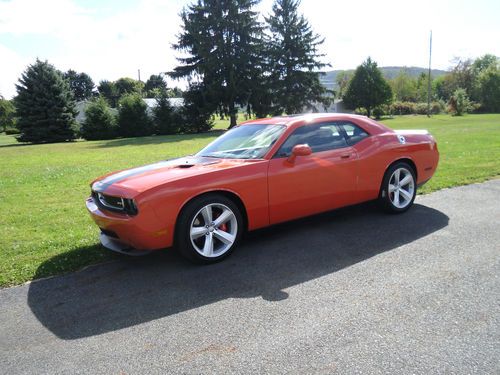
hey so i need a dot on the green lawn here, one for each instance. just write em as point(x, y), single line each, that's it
point(45, 229)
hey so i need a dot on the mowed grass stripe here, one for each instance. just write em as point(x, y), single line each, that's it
point(45, 229)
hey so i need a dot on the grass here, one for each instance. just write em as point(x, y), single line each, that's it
point(45, 229)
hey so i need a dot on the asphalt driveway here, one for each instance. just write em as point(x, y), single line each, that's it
point(352, 291)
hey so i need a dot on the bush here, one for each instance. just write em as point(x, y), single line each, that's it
point(99, 122)
point(7, 112)
point(378, 112)
point(361, 111)
point(421, 108)
point(402, 108)
point(133, 120)
point(459, 103)
point(166, 119)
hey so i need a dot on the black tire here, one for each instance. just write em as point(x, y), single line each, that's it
point(191, 215)
point(387, 198)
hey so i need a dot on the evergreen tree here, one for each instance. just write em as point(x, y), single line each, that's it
point(294, 60)
point(133, 120)
point(80, 84)
point(197, 110)
point(165, 119)
point(368, 88)
point(44, 105)
point(219, 38)
point(99, 122)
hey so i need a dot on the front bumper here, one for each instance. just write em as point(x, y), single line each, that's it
point(115, 245)
point(132, 235)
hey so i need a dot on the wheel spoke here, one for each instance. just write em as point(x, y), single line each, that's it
point(225, 237)
point(197, 232)
point(405, 181)
point(397, 175)
point(396, 198)
point(207, 214)
point(392, 188)
point(208, 248)
point(405, 194)
point(223, 218)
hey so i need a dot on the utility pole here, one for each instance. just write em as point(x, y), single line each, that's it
point(429, 79)
point(139, 74)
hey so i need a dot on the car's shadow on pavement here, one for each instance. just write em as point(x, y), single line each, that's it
point(128, 292)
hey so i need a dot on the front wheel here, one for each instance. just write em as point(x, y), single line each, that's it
point(209, 228)
point(398, 188)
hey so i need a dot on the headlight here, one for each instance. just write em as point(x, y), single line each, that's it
point(116, 204)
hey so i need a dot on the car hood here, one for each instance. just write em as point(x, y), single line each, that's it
point(149, 176)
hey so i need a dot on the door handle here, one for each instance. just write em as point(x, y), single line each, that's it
point(345, 156)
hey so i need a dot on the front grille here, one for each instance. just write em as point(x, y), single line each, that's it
point(109, 233)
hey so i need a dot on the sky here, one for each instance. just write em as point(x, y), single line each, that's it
point(109, 39)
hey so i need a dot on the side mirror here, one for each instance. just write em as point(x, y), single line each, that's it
point(299, 150)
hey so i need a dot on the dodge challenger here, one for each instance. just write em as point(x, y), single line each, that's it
point(260, 173)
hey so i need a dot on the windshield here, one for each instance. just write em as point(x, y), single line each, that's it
point(244, 142)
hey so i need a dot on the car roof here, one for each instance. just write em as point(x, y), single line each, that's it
point(304, 119)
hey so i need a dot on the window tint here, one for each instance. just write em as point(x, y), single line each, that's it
point(354, 133)
point(320, 137)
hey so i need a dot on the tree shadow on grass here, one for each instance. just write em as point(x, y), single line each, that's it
point(156, 139)
point(129, 291)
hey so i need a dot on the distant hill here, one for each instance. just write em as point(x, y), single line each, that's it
point(389, 72)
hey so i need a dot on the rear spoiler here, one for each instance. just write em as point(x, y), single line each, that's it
point(412, 132)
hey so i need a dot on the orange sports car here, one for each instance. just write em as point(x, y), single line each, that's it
point(258, 174)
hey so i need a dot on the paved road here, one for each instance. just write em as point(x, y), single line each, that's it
point(353, 291)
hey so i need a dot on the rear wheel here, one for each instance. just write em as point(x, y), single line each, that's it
point(209, 228)
point(398, 188)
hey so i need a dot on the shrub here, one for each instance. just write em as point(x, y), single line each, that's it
point(459, 103)
point(402, 108)
point(361, 111)
point(378, 112)
point(7, 112)
point(421, 108)
point(99, 122)
point(165, 118)
point(133, 120)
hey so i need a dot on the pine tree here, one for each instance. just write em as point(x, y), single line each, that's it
point(44, 105)
point(368, 88)
point(220, 38)
point(100, 122)
point(294, 60)
point(165, 118)
point(133, 119)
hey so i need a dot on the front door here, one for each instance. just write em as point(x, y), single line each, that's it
point(322, 181)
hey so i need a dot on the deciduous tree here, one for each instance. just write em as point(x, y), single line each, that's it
point(368, 88)
point(80, 84)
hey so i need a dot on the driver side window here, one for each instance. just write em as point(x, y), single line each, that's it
point(320, 137)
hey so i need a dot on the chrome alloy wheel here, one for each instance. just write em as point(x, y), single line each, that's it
point(213, 230)
point(401, 188)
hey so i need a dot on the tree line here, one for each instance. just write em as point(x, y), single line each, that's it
point(234, 62)
point(470, 86)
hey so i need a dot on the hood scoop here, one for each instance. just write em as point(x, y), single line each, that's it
point(191, 162)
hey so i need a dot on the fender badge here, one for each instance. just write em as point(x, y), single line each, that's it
point(401, 139)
